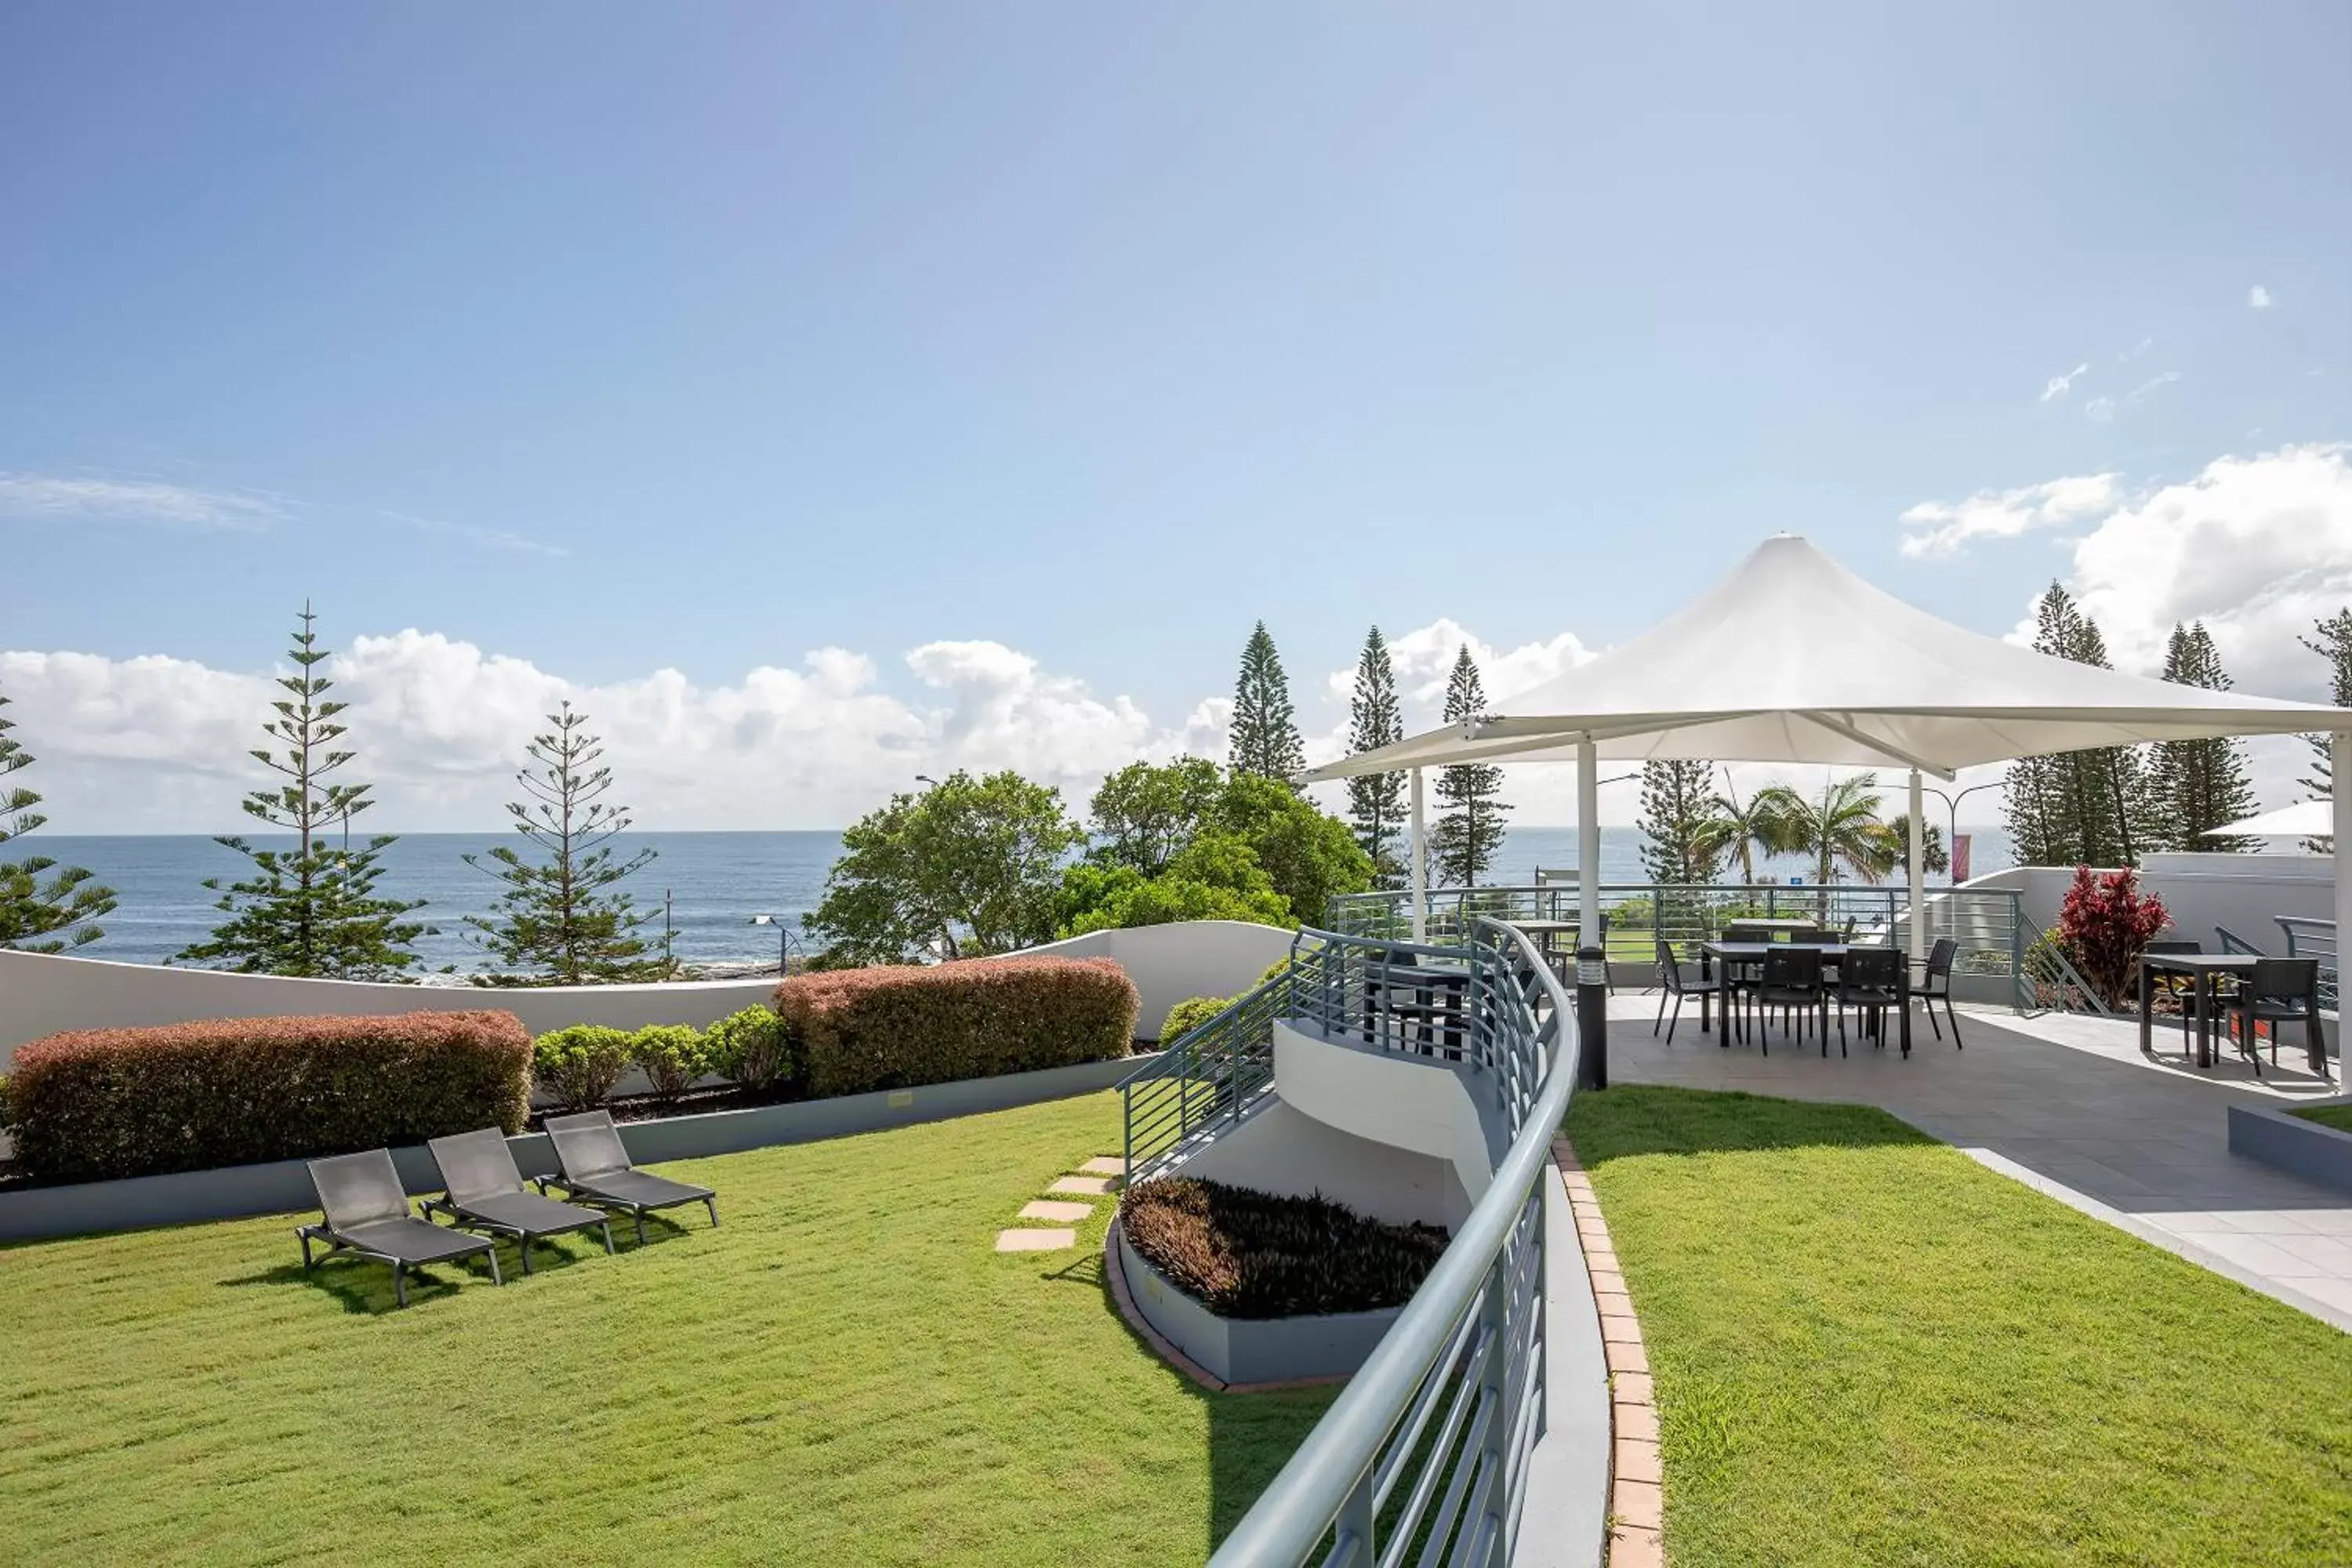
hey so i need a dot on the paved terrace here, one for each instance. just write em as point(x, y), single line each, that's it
point(2067, 1105)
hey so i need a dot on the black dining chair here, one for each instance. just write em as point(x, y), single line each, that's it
point(2277, 992)
point(1936, 985)
point(1870, 979)
point(1674, 984)
point(1792, 982)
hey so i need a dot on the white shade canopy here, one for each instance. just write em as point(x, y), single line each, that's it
point(1793, 658)
point(2304, 819)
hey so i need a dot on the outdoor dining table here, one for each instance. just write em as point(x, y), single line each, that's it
point(1547, 934)
point(1794, 925)
point(1727, 954)
point(2202, 969)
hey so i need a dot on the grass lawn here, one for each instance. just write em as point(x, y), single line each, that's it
point(2337, 1116)
point(1868, 1348)
point(845, 1372)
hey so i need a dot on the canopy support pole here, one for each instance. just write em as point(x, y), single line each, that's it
point(1587, 843)
point(1420, 861)
point(2339, 774)
point(1918, 872)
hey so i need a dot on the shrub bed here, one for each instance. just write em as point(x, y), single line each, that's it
point(855, 1030)
point(102, 1103)
point(1247, 1253)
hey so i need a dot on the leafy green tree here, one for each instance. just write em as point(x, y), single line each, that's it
point(561, 919)
point(1144, 814)
point(1469, 827)
point(2334, 646)
point(2199, 784)
point(1678, 811)
point(62, 910)
point(1264, 728)
point(2090, 808)
point(1933, 856)
point(1216, 876)
point(311, 910)
point(1841, 831)
point(1737, 831)
point(1310, 854)
point(1376, 803)
point(968, 867)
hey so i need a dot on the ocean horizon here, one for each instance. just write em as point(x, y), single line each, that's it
point(714, 883)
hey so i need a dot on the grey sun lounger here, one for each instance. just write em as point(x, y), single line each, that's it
point(597, 1170)
point(483, 1190)
point(365, 1211)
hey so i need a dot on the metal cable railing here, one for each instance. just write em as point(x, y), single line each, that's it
point(2308, 938)
point(1423, 1457)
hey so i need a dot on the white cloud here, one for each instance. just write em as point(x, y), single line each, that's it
point(2258, 297)
point(2137, 349)
point(2151, 385)
point(487, 537)
point(52, 496)
point(2059, 385)
point(1942, 528)
point(2100, 410)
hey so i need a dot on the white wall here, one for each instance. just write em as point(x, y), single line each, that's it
point(42, 995)
point(1401, 1101)
point(2244, 892)
point(1282, 1150)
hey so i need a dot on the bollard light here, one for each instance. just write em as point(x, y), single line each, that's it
point(1592, 967)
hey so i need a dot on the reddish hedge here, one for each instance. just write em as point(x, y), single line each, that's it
point(99, 1104)
point(856, 1030)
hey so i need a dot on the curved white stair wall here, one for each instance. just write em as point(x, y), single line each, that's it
point(1282, 1150)
point(1415, 1104)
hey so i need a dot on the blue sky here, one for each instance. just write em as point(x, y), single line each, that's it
point(613, 339)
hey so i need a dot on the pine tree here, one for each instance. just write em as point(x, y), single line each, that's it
point(313, 911)
point(2203, 784)
point(2089, 808)
point(63, 908)
point(1376, 801)
point(1676, 823)
point(1469, 827)
point(1265, 731)
point(2334, 646)
point(557, 918)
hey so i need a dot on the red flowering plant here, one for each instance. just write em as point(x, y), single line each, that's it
point(2105, 924)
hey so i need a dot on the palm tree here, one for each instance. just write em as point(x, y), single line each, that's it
point(1739, 831)
point(1841, 830)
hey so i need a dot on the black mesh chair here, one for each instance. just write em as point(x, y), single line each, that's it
point(363, 1211)
point(1675, 984)
point(1870, 979)
point(2277, 992)
point(1936, 985)
point(596, 1169)
point(483, 1191)
point(1792, 983)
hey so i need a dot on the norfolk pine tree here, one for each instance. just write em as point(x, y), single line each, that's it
point(62, 908)
point(1376, 801)
point(1265, 729)
point(2334, 646)
point(557, 918)
point(1470, 827)
point(2199, 784)
point(311, 910)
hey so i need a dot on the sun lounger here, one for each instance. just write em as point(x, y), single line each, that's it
point(365, 1211)
point(597, 1170)
point(484, 1191)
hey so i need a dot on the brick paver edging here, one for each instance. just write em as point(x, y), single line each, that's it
point(1114, 1274)
point(1636, 1485)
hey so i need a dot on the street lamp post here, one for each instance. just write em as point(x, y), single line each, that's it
point(783, 941)
point(1952, 808)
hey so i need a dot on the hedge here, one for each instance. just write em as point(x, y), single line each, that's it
point(1241, 1253)
point(101, 1104)
point(855, 1030)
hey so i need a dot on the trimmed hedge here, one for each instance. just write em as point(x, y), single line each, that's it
point(1241, 1253)
point(752, 1048)
point(855, 1030)
point(102, 1103)
point(581, 1063)
point(1190, 1014)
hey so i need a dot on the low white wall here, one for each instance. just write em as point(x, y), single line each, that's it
point(1404, 1102)
point(1283, 1150)
point(42, 993)
point(2243, 892)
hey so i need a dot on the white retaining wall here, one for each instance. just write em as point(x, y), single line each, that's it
point(2244, 892)
point(42, 995)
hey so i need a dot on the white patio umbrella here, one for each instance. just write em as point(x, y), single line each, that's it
point(1793, 658)
point(2304, 819)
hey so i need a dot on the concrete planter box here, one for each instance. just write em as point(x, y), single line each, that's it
point(2315, 1153)
point(284, 1186)
point(1249, 1350)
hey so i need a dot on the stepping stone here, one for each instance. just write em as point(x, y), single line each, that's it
point(1060, 1214)
point(1035, 1240)
point(1104, 1165)
point(1088, 1186)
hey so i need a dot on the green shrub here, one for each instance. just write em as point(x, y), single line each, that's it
point(6, 1120)
point(671, 1056)
point(1190, 1014)
point(901, 1024)
point(103, 1103)
point(752, 1048)
point(1247, 1254)
point(580, 1065)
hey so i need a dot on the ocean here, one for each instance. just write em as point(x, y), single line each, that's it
point(713, 883)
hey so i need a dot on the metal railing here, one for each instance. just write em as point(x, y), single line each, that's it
point(2308, 938)
point(1208, 1079)
point(2048, 981)
point(1424, 1453)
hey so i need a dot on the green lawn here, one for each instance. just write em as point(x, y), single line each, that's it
point(1870, 1349)
point(844, 1373)
point(2337, 1116)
